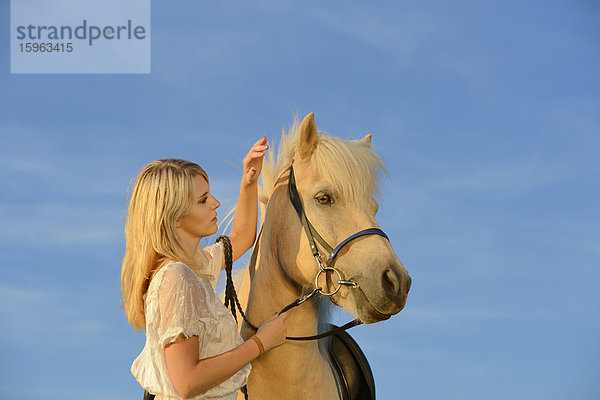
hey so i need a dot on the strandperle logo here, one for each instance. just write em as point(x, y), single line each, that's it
point(85, 31)
point(80, 37)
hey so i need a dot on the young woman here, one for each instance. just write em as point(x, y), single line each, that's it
point(193, 348)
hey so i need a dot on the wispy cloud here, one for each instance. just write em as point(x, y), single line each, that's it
point(60, 225)
point(504, 181)
point(65, 318)
point(398, 33)
point(11, 297)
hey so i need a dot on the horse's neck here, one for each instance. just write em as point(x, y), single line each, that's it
point(295, 369)
point(271, 291)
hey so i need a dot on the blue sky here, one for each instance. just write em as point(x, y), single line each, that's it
point(487, 115)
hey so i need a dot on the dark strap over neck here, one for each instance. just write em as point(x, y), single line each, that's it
point(331, 332)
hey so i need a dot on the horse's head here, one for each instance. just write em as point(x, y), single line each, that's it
point(337, 182)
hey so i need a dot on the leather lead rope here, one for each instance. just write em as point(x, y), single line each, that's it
point(230, 295)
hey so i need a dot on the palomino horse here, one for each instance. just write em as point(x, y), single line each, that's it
point(336, 181)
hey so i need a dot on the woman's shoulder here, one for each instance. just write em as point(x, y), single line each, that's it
point(214, 257)
point(171, 270)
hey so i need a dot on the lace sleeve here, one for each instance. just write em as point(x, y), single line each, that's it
point(182, 305)
point(217, 255)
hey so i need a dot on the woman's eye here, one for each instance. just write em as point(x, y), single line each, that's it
point(203, 200)
point(324, 199)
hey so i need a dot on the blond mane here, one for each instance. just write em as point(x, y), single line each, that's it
point(351, 166)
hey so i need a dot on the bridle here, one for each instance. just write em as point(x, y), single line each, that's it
point(312, 234)
point(231, 299)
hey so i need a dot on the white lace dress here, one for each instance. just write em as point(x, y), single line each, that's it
point(179, 301)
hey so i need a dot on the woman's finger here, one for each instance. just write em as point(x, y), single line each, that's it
point(284, 315)
point(261, 141)
point(257, 149)
point(254, 154)
point(253, 158)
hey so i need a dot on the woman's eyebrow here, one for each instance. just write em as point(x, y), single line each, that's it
point(201, 196)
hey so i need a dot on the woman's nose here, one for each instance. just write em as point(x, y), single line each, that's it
point(217, 203)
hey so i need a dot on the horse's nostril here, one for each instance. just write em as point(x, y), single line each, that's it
point(391, 281)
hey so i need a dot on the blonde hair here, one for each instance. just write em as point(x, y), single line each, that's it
point(163, 192)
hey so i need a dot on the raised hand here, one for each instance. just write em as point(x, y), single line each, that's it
point(254, 160)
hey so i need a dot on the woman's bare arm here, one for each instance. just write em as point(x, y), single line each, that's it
point(191, 376)
point(243, 232)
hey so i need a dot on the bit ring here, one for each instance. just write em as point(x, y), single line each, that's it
point(340, 280)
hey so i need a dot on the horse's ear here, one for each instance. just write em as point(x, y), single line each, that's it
point(307, 137)
point(367, 139)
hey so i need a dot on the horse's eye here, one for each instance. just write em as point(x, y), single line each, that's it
point(324, 199)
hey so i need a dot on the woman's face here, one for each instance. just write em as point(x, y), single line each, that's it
point(202, 220)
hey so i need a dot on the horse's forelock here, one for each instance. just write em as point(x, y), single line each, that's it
point(351, 166)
